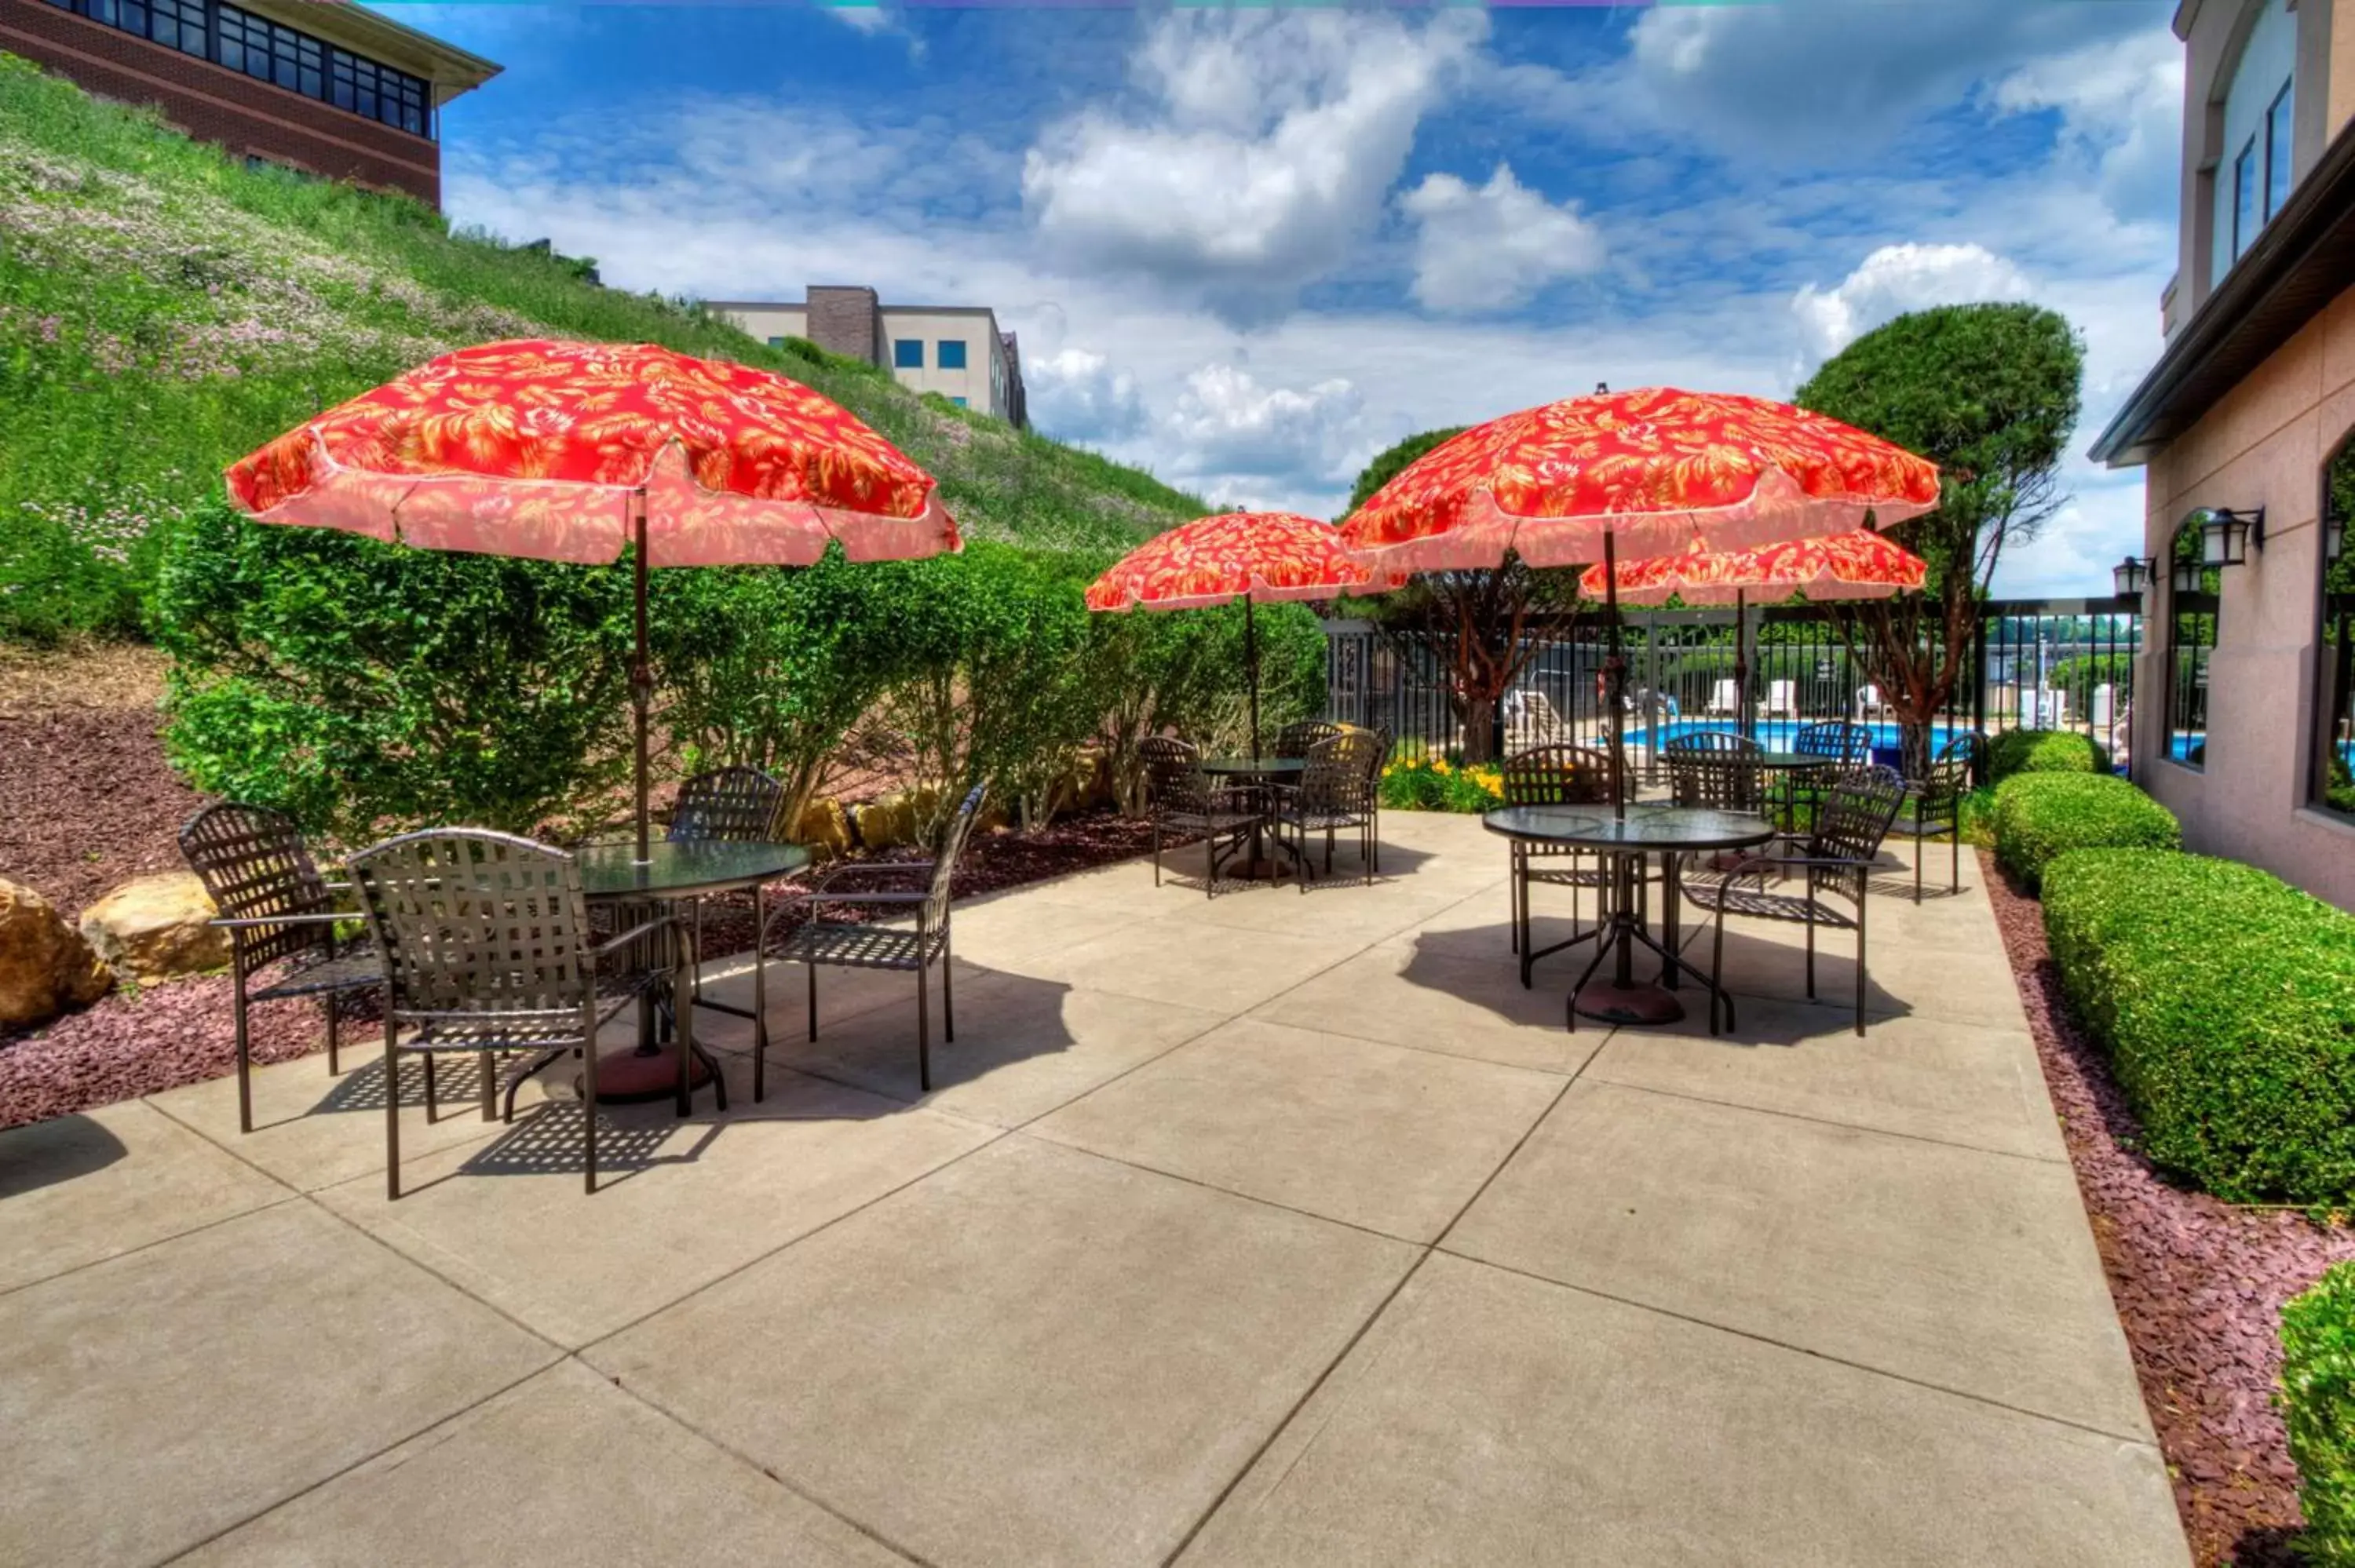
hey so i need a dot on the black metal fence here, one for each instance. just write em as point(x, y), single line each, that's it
point(2033, 664)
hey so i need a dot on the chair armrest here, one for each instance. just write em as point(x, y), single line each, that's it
point(644, 928)
point(321, 918)
point(903, 900)
point(875, 868)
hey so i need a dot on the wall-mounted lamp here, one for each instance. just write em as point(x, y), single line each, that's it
point(2130, 578)
point(2334, 535)
point(2226, 535)
point(2189, 577)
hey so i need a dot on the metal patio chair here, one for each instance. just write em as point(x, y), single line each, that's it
point(876, 945)
point(1336, 790)
point(1934, 806)
point(1294, 739)
point(1556, 775)
point(487, 950)
point(1837, 857)
point(277, 909)
point(1378, 757)
point(1847, 744)
point(1716, 769)
point(731, 805)
point(1181, 800)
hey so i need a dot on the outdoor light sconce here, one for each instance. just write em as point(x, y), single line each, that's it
point(2225, 535)
point(2334, 535)
point(2189, 577)
point(2130, 578)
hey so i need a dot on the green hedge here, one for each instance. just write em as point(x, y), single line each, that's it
point(2040, 815)
point(2225, 999)
point(2043, 751)
point(2318, 1401)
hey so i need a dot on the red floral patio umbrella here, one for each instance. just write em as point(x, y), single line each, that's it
point(1859, 564)
point(1256, 557)
point(567, 451)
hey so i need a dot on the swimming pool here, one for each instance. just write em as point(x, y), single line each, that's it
point(1781, 734)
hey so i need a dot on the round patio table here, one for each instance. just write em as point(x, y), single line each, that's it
point(1668, 831)
point(672, 873)
point(1257, 770)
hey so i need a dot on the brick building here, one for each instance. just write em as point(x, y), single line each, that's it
point(956, 351)
point(324, 88)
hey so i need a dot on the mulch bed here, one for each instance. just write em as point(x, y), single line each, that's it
point(2199, 1283)
point(161, 1036)
point(87, 801)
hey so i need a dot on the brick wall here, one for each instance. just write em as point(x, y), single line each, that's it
point(217, 105)
point(847, 321)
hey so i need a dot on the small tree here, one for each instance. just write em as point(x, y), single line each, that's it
point(1990, 393)
point(1482, 626)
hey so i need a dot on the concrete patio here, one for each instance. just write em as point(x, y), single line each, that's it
point(1267, 1229)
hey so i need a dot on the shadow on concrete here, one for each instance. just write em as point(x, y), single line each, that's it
point(48, 1152)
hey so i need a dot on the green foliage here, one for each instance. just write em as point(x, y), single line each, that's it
point(2044, 751)
point(1387, 463)
point(359, 686)
point(2080, 673)
point(2317, 1406)
point(2040, 815)
point(2225, 1000)
point(1432, 782)
point(165, 310)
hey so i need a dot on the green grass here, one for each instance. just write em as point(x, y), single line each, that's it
point(163, 310)
point(2226, 1001)
point(2317, 1404)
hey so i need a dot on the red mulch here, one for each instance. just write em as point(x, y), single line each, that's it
point(87, 801)
point(2199, 1283)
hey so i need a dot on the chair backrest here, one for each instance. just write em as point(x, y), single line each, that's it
point(1173, 773)
point(1560, 775)
point(1341, 773)
point(1850, 743)
point(953, 842)
point(472, 923)
point(1713, 768)
point(1855, 813)
point(1294, 739)
point(738, 805)
point(254, 865)
point(1385, 745)
point(1970, 748)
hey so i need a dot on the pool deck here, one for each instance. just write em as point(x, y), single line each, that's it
point(1265, 1229)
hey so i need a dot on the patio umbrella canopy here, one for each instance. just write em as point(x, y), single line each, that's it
point(1663, 469)
point(1861, 564)
point(569, 451)
point(1256, 557)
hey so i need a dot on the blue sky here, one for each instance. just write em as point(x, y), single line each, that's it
point(1249, 248)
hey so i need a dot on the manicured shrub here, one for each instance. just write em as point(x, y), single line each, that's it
point(2225, 1000)
point(2317, 1404)
point(2040, 815)
point(2043, 751)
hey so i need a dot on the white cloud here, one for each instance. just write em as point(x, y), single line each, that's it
point(1226, 423)
point(859, 18)
point(1897, 279)
point(1076, 395)
point(1493, 247)
point(1259, 154)
point(2121, 107)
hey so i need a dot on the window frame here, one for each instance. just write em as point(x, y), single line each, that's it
point(2248, 175)
point(941, 350)
point(899, 350)
point(2280, 115)
point(2334, 656)
point(2183, 681)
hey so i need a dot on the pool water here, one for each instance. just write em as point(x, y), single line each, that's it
point(1781, 734)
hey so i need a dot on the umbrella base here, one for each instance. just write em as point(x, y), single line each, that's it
point(635, 1076)
point(1647, 1002)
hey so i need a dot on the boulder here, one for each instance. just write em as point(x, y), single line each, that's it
point(824, 827)
point(45, 966)
point(886, 822)
point(154, 927)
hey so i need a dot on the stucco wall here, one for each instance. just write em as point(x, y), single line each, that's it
point(2264, 445)
point(977, 330)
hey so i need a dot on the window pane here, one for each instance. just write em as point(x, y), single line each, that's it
point(2245, 176)
point(951, 355)
point(908, 354)
point(2277, 152)
point(2192, 606)
point(232, 50)
point(2334, 784)
point(135, 16)
point(958, 401)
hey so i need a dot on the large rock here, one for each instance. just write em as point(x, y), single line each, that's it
point(825, 828)
point(154, 927)
point(887, 823)
point(46, 967)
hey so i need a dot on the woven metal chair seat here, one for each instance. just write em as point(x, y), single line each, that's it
point(862, 947)
point(347, 972)
point(526, 1030)
point(1210, 822)
point(1760, 905)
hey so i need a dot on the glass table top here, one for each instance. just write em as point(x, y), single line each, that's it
point(677, 870)
point(1645, 827)
point(1258, 766)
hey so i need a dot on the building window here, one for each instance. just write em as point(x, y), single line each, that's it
point(776, 343)
point(908, 354)
point(2194, 596)
point(952, 354)
point(2334, 749)
point(2277, 152)
point(270, 51)
point(959, 402)
point(2246, 176)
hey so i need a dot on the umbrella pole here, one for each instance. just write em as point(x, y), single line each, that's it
point(1251, 658)
point(642, 679)
point(1615, 679)
point(1741, 659)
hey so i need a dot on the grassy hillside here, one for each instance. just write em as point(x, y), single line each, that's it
point(165, 308)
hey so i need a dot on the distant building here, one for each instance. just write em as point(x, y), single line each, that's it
point(956, 351)
point(321, 87)
point(2244, 694)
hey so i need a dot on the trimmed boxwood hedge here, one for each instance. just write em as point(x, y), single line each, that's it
point(2225, 999)
point(2043, 751)
point(2040, 815)
point(2317, 1403)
